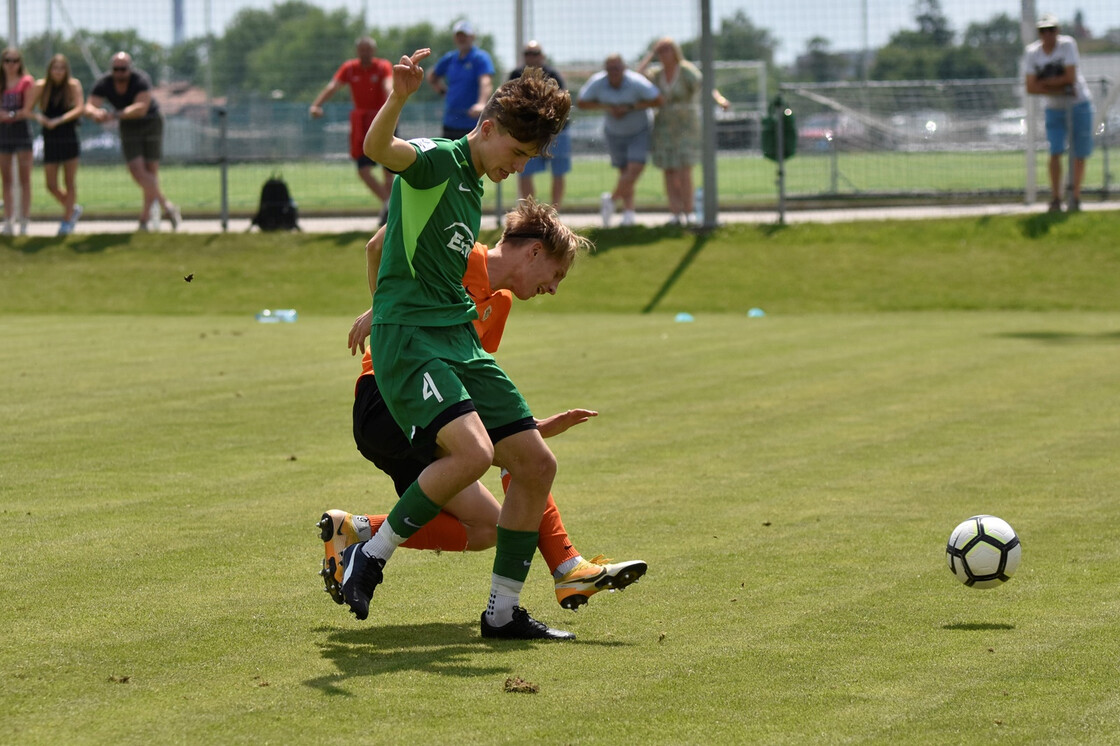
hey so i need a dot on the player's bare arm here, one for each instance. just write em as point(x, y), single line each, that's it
point(559, 423)
point(381, 145)
point(361, 327)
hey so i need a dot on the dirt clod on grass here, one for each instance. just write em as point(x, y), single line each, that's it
point(518, 685)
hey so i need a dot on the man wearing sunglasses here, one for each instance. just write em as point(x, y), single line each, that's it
point(129, 92)
point(1053, 70)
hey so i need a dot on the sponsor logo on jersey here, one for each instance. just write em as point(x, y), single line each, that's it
point(461, 240)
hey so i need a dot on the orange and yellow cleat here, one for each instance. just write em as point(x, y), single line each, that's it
point(594, 575)
point(338, 530)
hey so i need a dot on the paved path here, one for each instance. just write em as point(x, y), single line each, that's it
point(584, 220)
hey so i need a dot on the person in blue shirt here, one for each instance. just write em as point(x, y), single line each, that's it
point(465, 77)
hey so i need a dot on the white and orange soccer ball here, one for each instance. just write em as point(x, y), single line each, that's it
point(983, 552)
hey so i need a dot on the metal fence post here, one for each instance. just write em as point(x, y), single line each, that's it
point(709, 178)
point(779, 113)
point(223, 160)
point(1104, 139)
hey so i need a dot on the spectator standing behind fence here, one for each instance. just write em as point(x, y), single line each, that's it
point(129, 92)
point(560, 156)
point(1053, 70)
point(61, 101)
point(15, 138)
point(676, 135)
point(626, 97)
point(465, 78)
point(370, 80)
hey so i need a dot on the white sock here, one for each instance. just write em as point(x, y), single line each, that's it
point(566, 567)
point(383, 543)
point(504, 595)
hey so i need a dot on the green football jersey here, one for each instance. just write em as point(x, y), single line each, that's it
point(435, 211)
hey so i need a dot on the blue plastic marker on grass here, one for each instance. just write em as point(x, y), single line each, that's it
point(275, 316)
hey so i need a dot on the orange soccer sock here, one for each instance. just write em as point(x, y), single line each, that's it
point(554, 543)
point(443, 533)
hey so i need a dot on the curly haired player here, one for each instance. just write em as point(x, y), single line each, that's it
point(442, 388)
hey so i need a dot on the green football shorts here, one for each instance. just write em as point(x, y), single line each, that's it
point(423, 371)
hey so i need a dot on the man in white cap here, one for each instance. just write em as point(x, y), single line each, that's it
point(1053, 70)
point(465, 77)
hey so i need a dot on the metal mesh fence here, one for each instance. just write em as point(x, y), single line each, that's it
point(247, 71)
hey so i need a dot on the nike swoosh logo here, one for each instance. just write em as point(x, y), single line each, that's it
point(408, 522)
point(527, 563)
point(464, 188)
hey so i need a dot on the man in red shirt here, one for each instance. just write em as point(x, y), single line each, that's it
point(370, 80)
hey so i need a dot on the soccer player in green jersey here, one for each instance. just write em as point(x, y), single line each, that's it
point(442, 388)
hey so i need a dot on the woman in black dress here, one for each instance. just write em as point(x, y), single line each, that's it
point(60, 100)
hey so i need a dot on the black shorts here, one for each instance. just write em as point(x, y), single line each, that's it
point(379, 438)
point(59, 148)
point(15, 137)
point(142, 138)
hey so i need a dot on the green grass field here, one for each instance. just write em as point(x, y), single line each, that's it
point(331, 187)
point(790, 479)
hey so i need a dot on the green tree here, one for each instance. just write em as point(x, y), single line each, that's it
point(303, 54)
point(737, 39)
point(248, 30)
point(988, 50)
point(148, 56)
point(998, 40)
point(932, 23)
point(187, 61)
point(818, 65)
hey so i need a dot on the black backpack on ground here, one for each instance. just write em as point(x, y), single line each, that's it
point(277, 211)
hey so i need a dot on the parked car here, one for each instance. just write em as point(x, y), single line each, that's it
point(830, 131)
point(922, 126)
point(1009, 126)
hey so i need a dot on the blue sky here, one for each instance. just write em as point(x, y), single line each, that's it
point(571, 29)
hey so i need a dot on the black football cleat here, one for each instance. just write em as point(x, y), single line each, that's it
point(523, 627)
point(360, 579)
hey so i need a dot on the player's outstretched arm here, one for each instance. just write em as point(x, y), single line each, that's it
point(381, 145)
point(558, 423)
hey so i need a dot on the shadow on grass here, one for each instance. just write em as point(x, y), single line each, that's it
point(697, 246)
point(353, 237)
point(607, 239)
point(772, 229)
point(1037, 226)
point(91, 244)
point(438, 648)
point(1063, 338)
point(976, 626)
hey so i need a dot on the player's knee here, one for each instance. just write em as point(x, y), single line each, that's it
point(477, 457)
point(538, 468)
